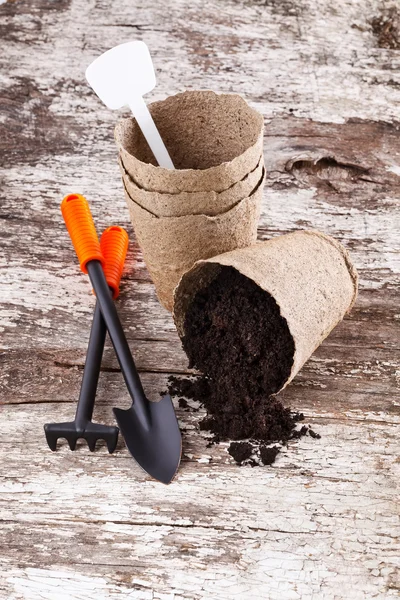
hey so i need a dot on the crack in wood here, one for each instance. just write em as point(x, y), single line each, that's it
point(81, 366)
point(168, 525)
point(337, 175)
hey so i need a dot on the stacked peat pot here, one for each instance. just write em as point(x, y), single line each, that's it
point(210, 203)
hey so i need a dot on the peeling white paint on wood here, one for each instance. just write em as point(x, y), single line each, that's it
point(323, 522)
point(337, 516)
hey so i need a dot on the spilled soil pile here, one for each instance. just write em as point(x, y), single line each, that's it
point(236, 337)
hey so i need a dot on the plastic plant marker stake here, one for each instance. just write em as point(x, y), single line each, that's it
point(146, 123)
point(121, 77)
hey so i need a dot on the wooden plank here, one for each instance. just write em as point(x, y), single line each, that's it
point(330, 383)
point(339, 459)
point(364, 215)
point(216, 564)
point(329, 505)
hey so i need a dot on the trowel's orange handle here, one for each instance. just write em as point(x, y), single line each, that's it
point(78, 219)
point(114, 246)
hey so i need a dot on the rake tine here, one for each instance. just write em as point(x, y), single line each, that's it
point(112, 444)
point(71, 443)
point(52, 442)
point(92, 444)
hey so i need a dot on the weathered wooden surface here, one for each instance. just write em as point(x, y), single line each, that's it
point(323, 522)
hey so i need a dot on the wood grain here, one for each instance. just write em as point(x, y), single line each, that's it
point(323, 522)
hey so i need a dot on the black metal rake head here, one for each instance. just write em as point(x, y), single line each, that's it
point(91, 432)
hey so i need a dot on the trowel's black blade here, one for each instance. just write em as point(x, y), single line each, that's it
point(157, 449)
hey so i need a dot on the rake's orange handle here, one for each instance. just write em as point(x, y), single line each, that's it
point(114, 246)
point(78, 219)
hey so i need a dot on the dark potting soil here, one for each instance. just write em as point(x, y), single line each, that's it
point(241, 451)
point(200, 390)
point(236, 337)
point(268, 455)
point(314, 434)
